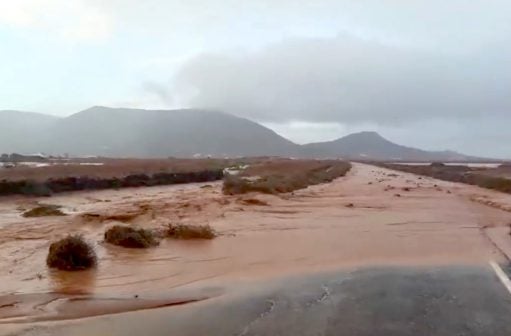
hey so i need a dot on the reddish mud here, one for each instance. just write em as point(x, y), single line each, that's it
point(354, 221)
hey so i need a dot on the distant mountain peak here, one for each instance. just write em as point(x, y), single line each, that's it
point(366, 135)
point(368, 139)
point(130, 132)
point(370, 145)
point(96, 108)
point(25, 113)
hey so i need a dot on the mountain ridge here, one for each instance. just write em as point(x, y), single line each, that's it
point(125, 132)
point(15, 125)
point(371, 145)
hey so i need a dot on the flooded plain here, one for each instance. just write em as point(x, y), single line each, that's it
point(369, 218)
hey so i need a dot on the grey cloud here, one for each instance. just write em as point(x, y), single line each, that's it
point(484, 137)
point(161, 91)
point(351, 80)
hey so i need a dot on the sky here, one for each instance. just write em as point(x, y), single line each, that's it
point(433, 74)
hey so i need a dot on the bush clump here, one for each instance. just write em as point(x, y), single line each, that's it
point(302, 176)
point(126, 236)
point(460, 174)
point(182, 231)
point(44, 210)
point(71, 254)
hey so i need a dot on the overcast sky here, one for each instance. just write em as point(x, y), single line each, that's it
point(429, 73)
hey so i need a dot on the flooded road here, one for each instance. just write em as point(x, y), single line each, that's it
point(371, 219)
point(392, 301)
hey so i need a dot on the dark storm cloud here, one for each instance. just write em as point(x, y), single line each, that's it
point(351, 80)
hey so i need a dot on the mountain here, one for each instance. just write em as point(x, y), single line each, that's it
point(23, 131)
point(122, 132)
point(372, 146)
point(161, 133)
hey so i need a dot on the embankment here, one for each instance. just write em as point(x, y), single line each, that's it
point(66, 184)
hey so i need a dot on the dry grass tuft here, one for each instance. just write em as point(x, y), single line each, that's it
point(182, 231)
point(44, 210)
point(126, 236)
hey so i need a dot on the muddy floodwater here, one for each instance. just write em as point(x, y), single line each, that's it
point(368, 218)
point(472, 165)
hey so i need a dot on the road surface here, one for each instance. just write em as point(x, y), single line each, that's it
point(398, 301)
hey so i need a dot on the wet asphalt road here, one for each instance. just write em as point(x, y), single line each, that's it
point(445, 301)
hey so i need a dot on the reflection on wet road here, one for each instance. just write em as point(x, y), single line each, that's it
point(440, 301)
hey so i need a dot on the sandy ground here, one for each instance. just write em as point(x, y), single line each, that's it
point(371, 217)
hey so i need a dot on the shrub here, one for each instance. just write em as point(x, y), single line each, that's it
point(130, 237)
point(235, 185)
point(70, 254)
point(44, 210)
point(495, 183)
point(284, 182)
point(190, 232)
point(461, 174)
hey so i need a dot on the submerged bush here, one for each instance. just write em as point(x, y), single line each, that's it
point(254, 201)
point(190, 232)
point(44, 210)
point(130, 237)
point(70, 254)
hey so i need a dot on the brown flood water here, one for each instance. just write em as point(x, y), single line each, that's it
point(355, 221)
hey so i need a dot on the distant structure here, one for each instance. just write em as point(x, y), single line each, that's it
point(15, 157)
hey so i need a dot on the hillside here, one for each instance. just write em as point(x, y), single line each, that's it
point(372, 146)
point(22, 131)
point(160, 133)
